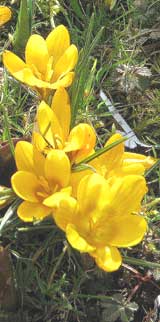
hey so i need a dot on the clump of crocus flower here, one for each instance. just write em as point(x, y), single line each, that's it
point(48, 64)
point(98, 206)
point(104, 215)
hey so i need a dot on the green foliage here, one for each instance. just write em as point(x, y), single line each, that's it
point(23, 26)
point(117, 309)
point(84, 78)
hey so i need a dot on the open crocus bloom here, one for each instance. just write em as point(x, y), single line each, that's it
point(5, 15)
point(48, 63)
point(41, 182)
point(105, 217)
point(120, 163)
point(115, 162)
point(54, 129)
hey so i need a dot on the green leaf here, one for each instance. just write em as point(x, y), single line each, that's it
point(117, 309)
point(83, 167)
point(77, 9)
point(140, 262)
point(23, 27)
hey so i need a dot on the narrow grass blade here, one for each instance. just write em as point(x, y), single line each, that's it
point(98, 153)
point(7, 129)
point(9, 213)
point(152, 168)
point(83, 71)
point(140, 262)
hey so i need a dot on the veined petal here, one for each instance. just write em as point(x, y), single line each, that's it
point(89, 192)
point(36, 53)
point(76, 178)
point(65, 213)
point(77, 241)
point(61, 107)
point(5, 15)
point(57, 42)
point(125, 195)
point(25, 184)
point(135, 158)
point(135, 168)
point(112, 158)
point(27, 76)
point(39, 162)
point(39, 142)
point(57, 168)
point(120, 231)
point(107, 258)
point(66, 62)
point(29, 211)
point(44, 119)
point(65, 81)
point(82, 139)
point(12, 62)
point(54, 200)
point(24, 156)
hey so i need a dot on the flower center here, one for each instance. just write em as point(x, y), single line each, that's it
point(44, 190)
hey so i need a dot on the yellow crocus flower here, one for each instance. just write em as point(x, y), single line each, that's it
point(5, 15)
point(54, 129)
point(115, 162)
point(41, 182)
point(105, 217)
point(120, 163)
point(48, 63)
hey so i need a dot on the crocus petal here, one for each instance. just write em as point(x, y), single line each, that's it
point(120, 231)
point(135, 168)
point(39, 142)
point(61, 103)
point(82, 139)
point(25, 184)
point(76, 178)
point(89, 192)
point(65, 213)
point(24, 156)
point(146, 161)
point(125, 195)
point(57, 42)
point(29, 211)
point(57, 168)
point(54, 200)
point(66, 62)
point(112, 158)
point(107, 258)
point(77, 241)
point(65, 81)
point(26, 76)
point(12, 62)
point(5, 15)
point(39, 162)
point(36, 53)
point(45, 119)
